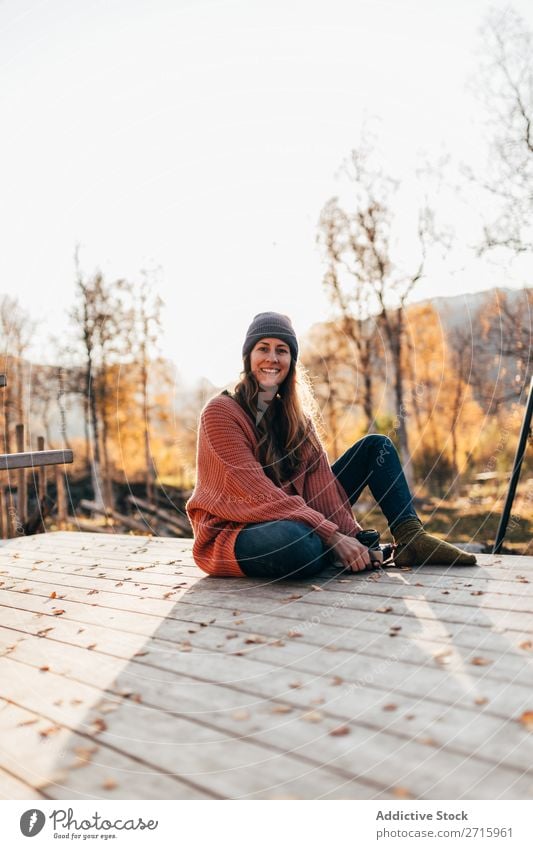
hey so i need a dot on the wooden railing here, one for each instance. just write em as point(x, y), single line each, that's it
point(15, 520)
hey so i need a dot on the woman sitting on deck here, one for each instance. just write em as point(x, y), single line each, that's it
point(267, 503)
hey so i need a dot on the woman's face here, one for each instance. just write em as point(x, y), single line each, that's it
point(270, 361)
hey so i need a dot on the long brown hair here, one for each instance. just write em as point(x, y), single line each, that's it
point(289, 428)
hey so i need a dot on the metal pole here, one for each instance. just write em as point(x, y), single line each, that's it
point(517, 465)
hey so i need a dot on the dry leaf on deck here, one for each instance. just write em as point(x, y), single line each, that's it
point(57, 613)
point(281, 709)
point(336, 680)
point(47, 732)
point(255, 638)
point(313, 716)
point(44, 669)
point(480, 661)
point(527, 719)
point(476, 592)
point(240, 714)
point(97, 726)
point(340, 731)
point(402, 793)
point(316, 588)
point(386, 609)
point(527, 645)
point(109, 784)
point(294, 634)
point(390, 707)
point(291, 597)
point(53, 595)
point(480, 700)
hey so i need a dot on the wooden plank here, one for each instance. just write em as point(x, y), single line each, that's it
point(61, 501)
point(380, 646)
point(503, 658)
point(60, 763)
point(410, 679)
point(227, 767)
point(12, 787)
point(29, 459)
point(41, 487)
point(22, 495)
point(400, 756)
point(295, 657)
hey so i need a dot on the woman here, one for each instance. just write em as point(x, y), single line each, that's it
point(267, 503)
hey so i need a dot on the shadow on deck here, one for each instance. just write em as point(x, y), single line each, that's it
point(127, 673)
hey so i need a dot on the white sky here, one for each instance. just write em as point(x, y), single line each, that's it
point(205, 137)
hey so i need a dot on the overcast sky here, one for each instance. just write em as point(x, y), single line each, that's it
point(205, 137)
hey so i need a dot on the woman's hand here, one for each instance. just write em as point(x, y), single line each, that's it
point(352, 553)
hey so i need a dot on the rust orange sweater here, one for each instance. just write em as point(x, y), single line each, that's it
point(232, 490)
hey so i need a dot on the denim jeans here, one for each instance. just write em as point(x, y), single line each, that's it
point(289, 549)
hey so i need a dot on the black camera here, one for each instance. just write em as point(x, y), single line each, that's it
point(379, 554)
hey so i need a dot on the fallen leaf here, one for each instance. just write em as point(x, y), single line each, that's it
point(44, 631)
point(292, 596)
point(402, 793)
point(295, 685)
point(47, 732)
point(240, 715)
point(281, 709)
point(427, 741)
point(390, 707)
point(480, 700)
point(97, 726)
point(312, 716)
point(294, 634)
point(141, 653)
point(527, 719)
point(236, 613)
point(255, 638)
point(445, 592)
point(318, 701)
point(92, 592)
point(28, 722)
point(231, 636)
point(476, 592)
point(109, 784)
point(527, 645)
point(44, 669)
point(53, 595)
point(58, 613)
point(480, 661)
point(443, 657)
point(387, 609)
point(336, 680)
point(167, 595)
point(340, 731)
point(395, 627)
point(316, 588)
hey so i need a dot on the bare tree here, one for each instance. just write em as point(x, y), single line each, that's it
point(16, 331)
point(369, 288)
point(506, 83)
point(147, 323)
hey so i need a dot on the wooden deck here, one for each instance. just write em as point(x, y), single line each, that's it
point(127, 673)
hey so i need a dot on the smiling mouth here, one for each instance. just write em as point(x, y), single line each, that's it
point(270, 370)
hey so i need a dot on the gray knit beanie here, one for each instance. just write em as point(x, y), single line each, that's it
point(271, 324)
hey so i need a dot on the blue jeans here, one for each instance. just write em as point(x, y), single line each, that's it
point(288, 549)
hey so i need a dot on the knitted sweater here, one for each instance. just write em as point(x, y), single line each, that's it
point(232, 489)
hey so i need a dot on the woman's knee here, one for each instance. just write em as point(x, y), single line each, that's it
point(282, 549)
